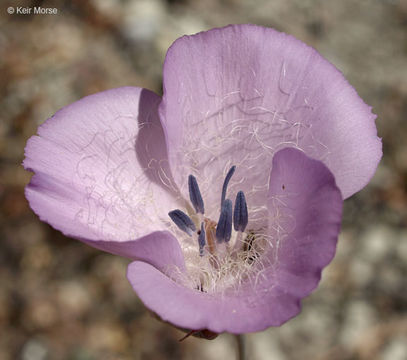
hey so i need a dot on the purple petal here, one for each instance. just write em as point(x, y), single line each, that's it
point(236, 95)
point(160, 249)
point(305, 207)
point(101, 171)
point(192, 309)
point(302, 195)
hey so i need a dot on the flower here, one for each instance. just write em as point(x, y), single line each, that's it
point(227, 192)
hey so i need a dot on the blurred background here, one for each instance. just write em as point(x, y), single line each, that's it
point(60, 299)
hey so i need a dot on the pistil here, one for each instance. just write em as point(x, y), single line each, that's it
point(210, 229)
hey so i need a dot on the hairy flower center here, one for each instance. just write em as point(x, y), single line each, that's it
point(221, 254)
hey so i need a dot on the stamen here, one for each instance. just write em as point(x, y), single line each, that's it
point(183, 221)
point(226, 183)
point(195, 195)
point(224, 228)
point(201, 239)
point(240, 214)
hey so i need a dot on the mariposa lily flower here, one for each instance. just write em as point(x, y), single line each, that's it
point(226, 192)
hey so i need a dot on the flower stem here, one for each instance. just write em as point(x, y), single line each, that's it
point(241, 347)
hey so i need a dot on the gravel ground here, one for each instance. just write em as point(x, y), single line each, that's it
point(60, 299)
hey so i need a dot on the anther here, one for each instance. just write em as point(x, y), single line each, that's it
point(224, 228)
point(195, 195)
point(226, 183)
point(183, 221)
point(240, 214)
point(201, 240)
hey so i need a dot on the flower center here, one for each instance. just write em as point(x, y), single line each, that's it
point(224, 251)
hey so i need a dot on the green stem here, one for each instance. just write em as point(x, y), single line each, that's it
point(241, 347)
